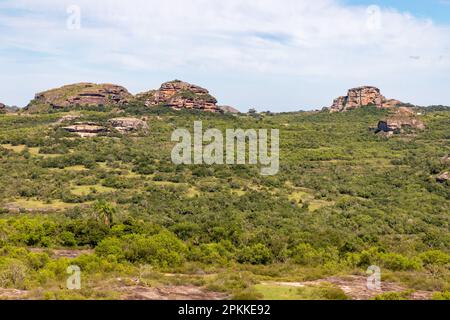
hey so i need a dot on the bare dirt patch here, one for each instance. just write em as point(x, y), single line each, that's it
point(63, 253)
point(13, 294)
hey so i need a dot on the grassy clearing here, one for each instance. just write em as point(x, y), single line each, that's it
point(318, 204)
point(285, 292)
point(193, 192)
point(85, 190)
point(33, 204)
point(278, 292)
point(20, 148)
point(76, 168)
point(300, 196)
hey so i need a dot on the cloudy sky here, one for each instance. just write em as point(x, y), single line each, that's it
point(279, 55)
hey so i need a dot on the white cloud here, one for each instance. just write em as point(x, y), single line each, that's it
point(320, 44)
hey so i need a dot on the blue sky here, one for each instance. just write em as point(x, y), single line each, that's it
point(279, 55)
point(438, 10)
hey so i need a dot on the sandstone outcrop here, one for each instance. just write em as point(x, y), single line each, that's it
point(360, 97)
point(93, 129)
point(180, 95)
point(86, 129)
point(402, 118)
point(126, 125)
point(444, 177)
point(68, 118)
point(228, 109)
point(80, 94)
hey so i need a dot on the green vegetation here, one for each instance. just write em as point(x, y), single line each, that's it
point(283, 292)
point(344, 199)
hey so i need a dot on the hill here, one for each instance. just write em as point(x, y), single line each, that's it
point(79, 95)
point(177, 95)
point(345, 198)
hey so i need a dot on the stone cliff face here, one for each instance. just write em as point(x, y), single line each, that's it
point(180, 95)
point(360, 97)
point(80, 94)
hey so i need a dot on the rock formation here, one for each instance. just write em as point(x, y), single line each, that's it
point(8, 109)
point(126, 125)
point(86, 129)
point(444, 177)
point(228, 109)
point(360, 97)
point(402, 118)
point(80, 94)
point(180, 95)
point(92, 129)
point(68, 118)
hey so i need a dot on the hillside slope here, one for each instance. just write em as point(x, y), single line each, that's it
point(344, 199)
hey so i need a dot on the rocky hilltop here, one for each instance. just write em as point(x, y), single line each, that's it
point(180, 95)
point(360, 97)
point(175, 94)
point(79, 94)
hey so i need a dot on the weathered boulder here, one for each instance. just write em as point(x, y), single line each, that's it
point(180, 95)
point(228, 109)
point(80, 94)
point(444, 177)
point(126, 125)
point(86, 129)
point(402, 118)
point(360, 97)
point(395, 124)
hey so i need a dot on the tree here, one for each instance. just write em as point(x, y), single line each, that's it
point(104, 212)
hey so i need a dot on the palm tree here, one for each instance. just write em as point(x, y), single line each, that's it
point(104, 211)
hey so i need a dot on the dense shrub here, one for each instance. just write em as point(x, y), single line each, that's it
point(256, 254)
point(163, 249)
point(435, 257)
point(213, 253)
point(305, 254)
